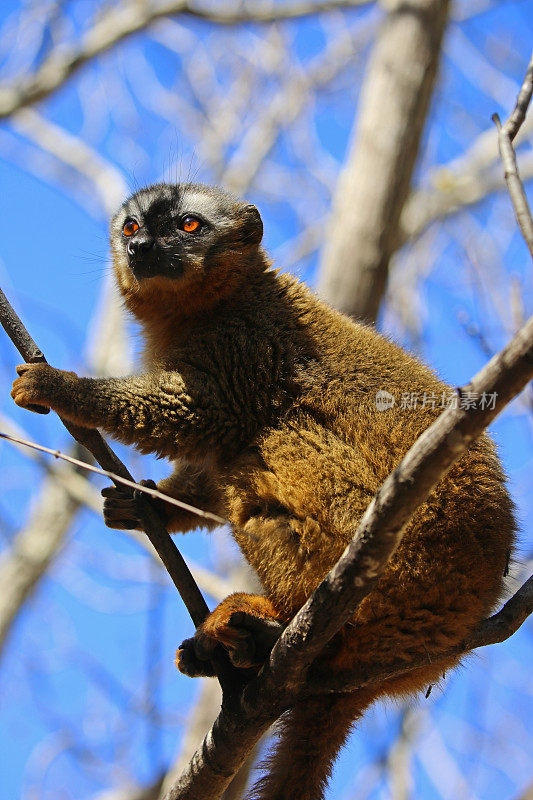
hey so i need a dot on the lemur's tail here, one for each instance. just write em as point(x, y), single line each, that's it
point(310, 736)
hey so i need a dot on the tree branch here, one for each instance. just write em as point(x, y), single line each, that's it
point(518, 115)
point(155, 493)
point(506, 134)
point(121, 22)
point(494, 630)
point(284, 677)
point(379, 532)
point(457, 185)
point(36, 546)
point(286, 105)
point(95, 444)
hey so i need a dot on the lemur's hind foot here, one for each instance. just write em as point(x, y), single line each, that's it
point(245, 625)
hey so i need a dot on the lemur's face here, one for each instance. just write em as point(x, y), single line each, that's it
point(180, 233)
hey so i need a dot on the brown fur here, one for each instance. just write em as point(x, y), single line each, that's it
point(264, 398)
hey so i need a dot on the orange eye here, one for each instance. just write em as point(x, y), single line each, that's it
point(190, 224)
point(130, 227)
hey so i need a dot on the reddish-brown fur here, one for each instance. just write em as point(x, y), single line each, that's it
point(265, 400)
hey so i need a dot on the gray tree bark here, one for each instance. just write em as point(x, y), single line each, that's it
point(373, 186)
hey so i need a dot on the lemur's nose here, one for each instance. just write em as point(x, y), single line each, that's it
point(139, 247)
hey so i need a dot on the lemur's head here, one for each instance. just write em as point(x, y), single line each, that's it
point(186, 239)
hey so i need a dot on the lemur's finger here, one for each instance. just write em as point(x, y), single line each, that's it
point(114, 492)
point(120, 503)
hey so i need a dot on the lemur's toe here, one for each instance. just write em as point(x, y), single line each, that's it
point(261, 634)
point(188, 662)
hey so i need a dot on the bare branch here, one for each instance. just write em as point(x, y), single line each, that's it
point(205, 710)
point(115, 478)
point(398, 759)
point(465, 180)
point(287, 104)
point(201, 719)
point(82, 492)
point(457, 185)
point(506, 134)
point(38, 544)
point(121, 22)
point(518, 115)
point(93, 441)
point(448, 190)
point(212, 584)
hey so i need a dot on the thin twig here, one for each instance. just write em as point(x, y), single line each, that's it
point(506, 134)
point(518, 115)
point(116, 478)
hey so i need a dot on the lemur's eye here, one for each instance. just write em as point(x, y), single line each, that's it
point(191, 224)
point(130, 227)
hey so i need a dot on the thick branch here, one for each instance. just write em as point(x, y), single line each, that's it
point(375, 181)
point(122, 21)
point(378, 534)
point(239, 726)
point(494, 630)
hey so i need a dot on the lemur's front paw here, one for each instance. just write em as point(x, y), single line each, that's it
point(38, 385)
point(122, 506)
point(243, 624)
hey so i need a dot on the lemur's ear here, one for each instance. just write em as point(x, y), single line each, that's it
point(253, 227)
